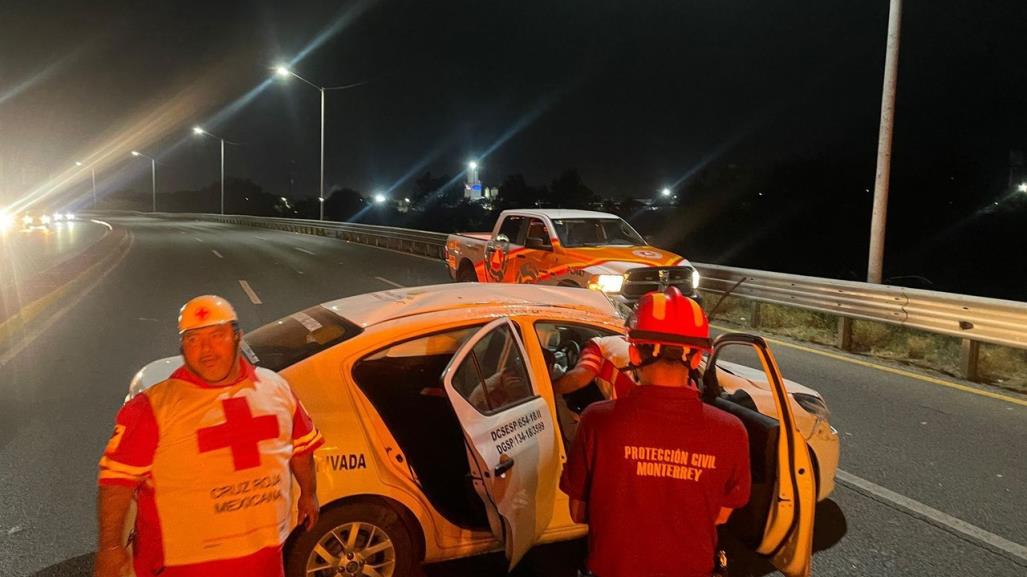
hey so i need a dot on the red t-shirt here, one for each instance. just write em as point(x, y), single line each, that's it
point(655, 468)
point(211, 470)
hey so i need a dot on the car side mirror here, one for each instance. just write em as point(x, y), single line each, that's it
point(502, 238)
point(537, 243)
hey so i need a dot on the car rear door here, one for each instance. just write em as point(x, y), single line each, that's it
point(778, 521)
point(510, 435)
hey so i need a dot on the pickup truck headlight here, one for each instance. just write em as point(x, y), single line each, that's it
point(813, 405)
point(607, 283)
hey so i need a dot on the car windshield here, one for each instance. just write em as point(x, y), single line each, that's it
point(596, 232)
point(294, 338)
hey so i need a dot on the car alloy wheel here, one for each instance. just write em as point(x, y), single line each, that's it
point(353, 549)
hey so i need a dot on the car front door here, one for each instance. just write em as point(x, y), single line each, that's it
point(778, 521)
point(509, 432)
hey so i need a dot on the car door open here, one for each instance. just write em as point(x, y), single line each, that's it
point(510, 434)
point(778, 521)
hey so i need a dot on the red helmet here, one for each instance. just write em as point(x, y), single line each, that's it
point(669, 318)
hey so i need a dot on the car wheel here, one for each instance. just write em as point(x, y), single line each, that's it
point(354, 539)
point(466, 274)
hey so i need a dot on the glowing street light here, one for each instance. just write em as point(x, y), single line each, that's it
point(199, 131)
point(284, 72)
point(665, 192)
point(153, 176)
point(1022, 187)
point(92, 170)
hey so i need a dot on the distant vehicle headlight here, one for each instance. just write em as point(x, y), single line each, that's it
point(27, 220)
point(69, 216)
point(58, 216)
point(45, 219)
point(607, 283)
point(695, 278)
point(6, 220)
point(813, 405)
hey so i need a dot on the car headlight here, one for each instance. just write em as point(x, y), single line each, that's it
point(695, 278)
point(6, 221)
point(607, 283)
point(813, 405)
point(69, 216)
point(45, 219)
point(58, 216)
point(27, 220)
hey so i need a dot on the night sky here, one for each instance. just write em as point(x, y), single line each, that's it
point(636, 95)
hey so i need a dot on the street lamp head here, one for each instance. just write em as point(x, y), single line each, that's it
point(198, 130)
point(282, 71)
point(1022, 187)
point(135, 153)
point(77, 163)
point(665, 192)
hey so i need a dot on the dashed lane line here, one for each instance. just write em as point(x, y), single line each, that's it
point(303, 250)
point(217, 254)
point(250, 292)
point(387, 281)
point(919, 509)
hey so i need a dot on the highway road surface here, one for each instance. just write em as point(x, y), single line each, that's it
point(932, 477)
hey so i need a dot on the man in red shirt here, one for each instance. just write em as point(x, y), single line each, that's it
point(209, 456)
point(654, 472)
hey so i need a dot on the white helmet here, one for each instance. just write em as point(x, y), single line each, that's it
point(205, 311)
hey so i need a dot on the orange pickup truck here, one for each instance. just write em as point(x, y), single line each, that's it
point(568, 248)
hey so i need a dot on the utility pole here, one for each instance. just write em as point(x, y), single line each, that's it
point(879, 219)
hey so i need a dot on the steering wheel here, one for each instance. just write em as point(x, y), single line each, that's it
point(571, 352)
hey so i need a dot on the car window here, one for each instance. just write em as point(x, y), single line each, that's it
point(537, 229)
point(296, 337)
point(511, 227)
point(494, 375)
point(596, 232)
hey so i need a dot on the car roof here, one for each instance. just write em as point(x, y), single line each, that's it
point(560, 213)
point(373, 308)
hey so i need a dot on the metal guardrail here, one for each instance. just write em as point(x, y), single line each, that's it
point(975, 320)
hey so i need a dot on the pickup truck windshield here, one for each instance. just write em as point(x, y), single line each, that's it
point(596, 232)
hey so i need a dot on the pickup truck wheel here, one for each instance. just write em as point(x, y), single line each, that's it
point(466, 274)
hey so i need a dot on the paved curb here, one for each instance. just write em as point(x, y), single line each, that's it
point(35, 297)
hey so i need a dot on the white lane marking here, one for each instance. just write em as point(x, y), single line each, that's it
point(260, 237)
point(249, 292)
point(109, 227)
point(887, 369)
point(387, 281)
point(197, 239)
point(304, 250)
point(918, 508)
point(216, 253)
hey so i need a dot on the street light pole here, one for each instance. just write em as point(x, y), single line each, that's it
point(199, 131)
point(283, 72)
point(153, 176)
point(92, 172)
point(879, 219)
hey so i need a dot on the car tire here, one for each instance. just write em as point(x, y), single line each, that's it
point(383, 540)
point(466, 274)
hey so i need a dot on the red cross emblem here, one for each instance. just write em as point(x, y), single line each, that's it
point(241, 431)
point(202, 313)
